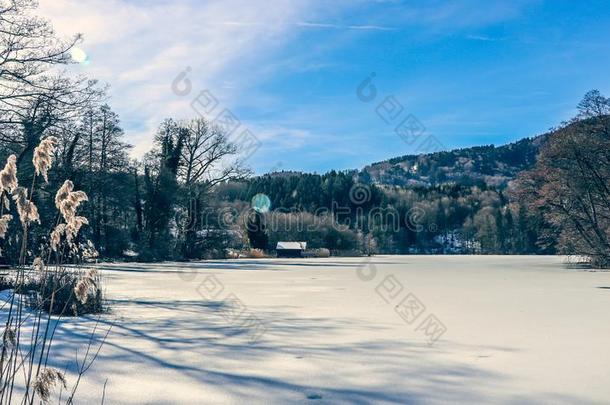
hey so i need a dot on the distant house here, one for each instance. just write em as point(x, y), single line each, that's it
point(290, 249)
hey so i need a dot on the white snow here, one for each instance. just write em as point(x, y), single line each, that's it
point(518, 330)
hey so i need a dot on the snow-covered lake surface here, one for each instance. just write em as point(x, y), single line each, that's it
point(389, 329)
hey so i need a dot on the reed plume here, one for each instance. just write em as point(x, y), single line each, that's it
point(8, 338)
point(38, 264)
point(59, 230)
point(74, 226)
point(4, 220)
point(43, 156)
point(83, 287)
point(46, 381)
point(8, 175)
point(27, 210)
point(67, 201)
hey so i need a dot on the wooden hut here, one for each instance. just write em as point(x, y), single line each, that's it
point(290, 249)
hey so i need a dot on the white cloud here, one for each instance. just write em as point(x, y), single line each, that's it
point(140, 47)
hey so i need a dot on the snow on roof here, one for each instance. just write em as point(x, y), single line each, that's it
point(291, 245)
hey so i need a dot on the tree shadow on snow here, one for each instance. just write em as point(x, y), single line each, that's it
point(171, 334)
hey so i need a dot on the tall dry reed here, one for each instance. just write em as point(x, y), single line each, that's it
point(45, 290)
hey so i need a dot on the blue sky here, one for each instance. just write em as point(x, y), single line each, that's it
point(473, 72)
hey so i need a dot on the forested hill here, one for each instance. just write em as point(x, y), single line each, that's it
point(492, 165)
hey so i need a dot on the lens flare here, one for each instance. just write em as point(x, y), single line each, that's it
point(79, 56)
point(261, 203)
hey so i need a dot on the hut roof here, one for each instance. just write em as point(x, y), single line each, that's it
point(291, 245)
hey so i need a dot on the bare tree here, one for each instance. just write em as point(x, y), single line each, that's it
point(62, 103)
point(29, 48)
point(570, 183)
point(208, 158)
point(35, 97)
point(96, 146)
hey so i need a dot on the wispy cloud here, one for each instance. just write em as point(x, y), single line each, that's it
point(484, 38)
point(309, 24)
point(139, 47)
point(344, 27)
point(370, 28)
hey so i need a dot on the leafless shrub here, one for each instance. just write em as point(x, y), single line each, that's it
point(256, 254)
point(322, 252)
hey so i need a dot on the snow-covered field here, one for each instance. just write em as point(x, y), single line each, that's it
point(390, 329)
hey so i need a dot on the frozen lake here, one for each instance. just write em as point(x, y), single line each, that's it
point(390, 329)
